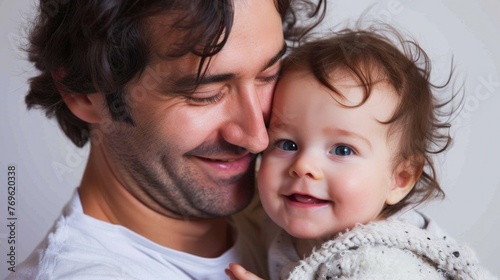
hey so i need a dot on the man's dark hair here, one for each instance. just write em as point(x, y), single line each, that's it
point(90, 46)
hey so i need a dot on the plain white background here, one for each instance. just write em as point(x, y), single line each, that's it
point(49, 167)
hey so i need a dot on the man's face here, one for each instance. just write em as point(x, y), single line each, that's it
point(193, 154)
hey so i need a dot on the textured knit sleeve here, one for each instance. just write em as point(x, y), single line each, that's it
point(390, 250)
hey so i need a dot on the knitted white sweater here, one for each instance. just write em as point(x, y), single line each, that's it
point(390, 249)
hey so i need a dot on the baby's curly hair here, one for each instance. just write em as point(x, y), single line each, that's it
point(382, 53)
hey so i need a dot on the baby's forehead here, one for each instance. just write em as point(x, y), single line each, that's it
point(366, 74)
point(346, 87)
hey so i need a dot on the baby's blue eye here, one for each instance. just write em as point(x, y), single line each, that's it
point(342, 150)
point(286, 145)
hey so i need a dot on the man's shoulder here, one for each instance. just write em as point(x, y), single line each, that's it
point(69, 253)
point(56, 268)
point(77, 247)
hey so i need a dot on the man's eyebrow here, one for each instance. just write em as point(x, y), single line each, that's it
point(190, 82)
point(277, 57)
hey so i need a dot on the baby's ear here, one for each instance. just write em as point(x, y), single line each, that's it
point(405, 176)
point(87, 107)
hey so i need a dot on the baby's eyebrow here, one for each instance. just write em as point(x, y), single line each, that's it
point(279, 119)
point(277, 125)
point(348, 133)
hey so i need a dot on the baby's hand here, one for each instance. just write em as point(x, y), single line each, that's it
point(237, 272)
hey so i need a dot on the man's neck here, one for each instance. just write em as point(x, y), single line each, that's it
point(105, 198)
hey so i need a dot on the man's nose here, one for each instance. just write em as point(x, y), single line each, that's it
point(246, 126)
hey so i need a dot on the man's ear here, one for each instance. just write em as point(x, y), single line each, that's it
point(87, 107)
point(405, 176)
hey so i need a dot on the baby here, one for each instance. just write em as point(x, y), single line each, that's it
point(354, 125)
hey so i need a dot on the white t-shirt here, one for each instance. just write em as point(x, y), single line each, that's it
point(81, 247)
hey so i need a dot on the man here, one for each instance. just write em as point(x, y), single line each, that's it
point(174, 97)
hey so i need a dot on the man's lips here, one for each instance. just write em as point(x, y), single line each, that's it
point(234, 164)
point(306, 199)
point(226, 158)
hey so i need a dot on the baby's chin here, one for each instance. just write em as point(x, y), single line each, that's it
point(312, 236)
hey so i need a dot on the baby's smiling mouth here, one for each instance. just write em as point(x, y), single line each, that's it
point(306, 199)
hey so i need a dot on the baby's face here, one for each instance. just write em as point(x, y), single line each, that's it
point(327, 167)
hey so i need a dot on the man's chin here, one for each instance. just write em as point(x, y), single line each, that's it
point(227, 205)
